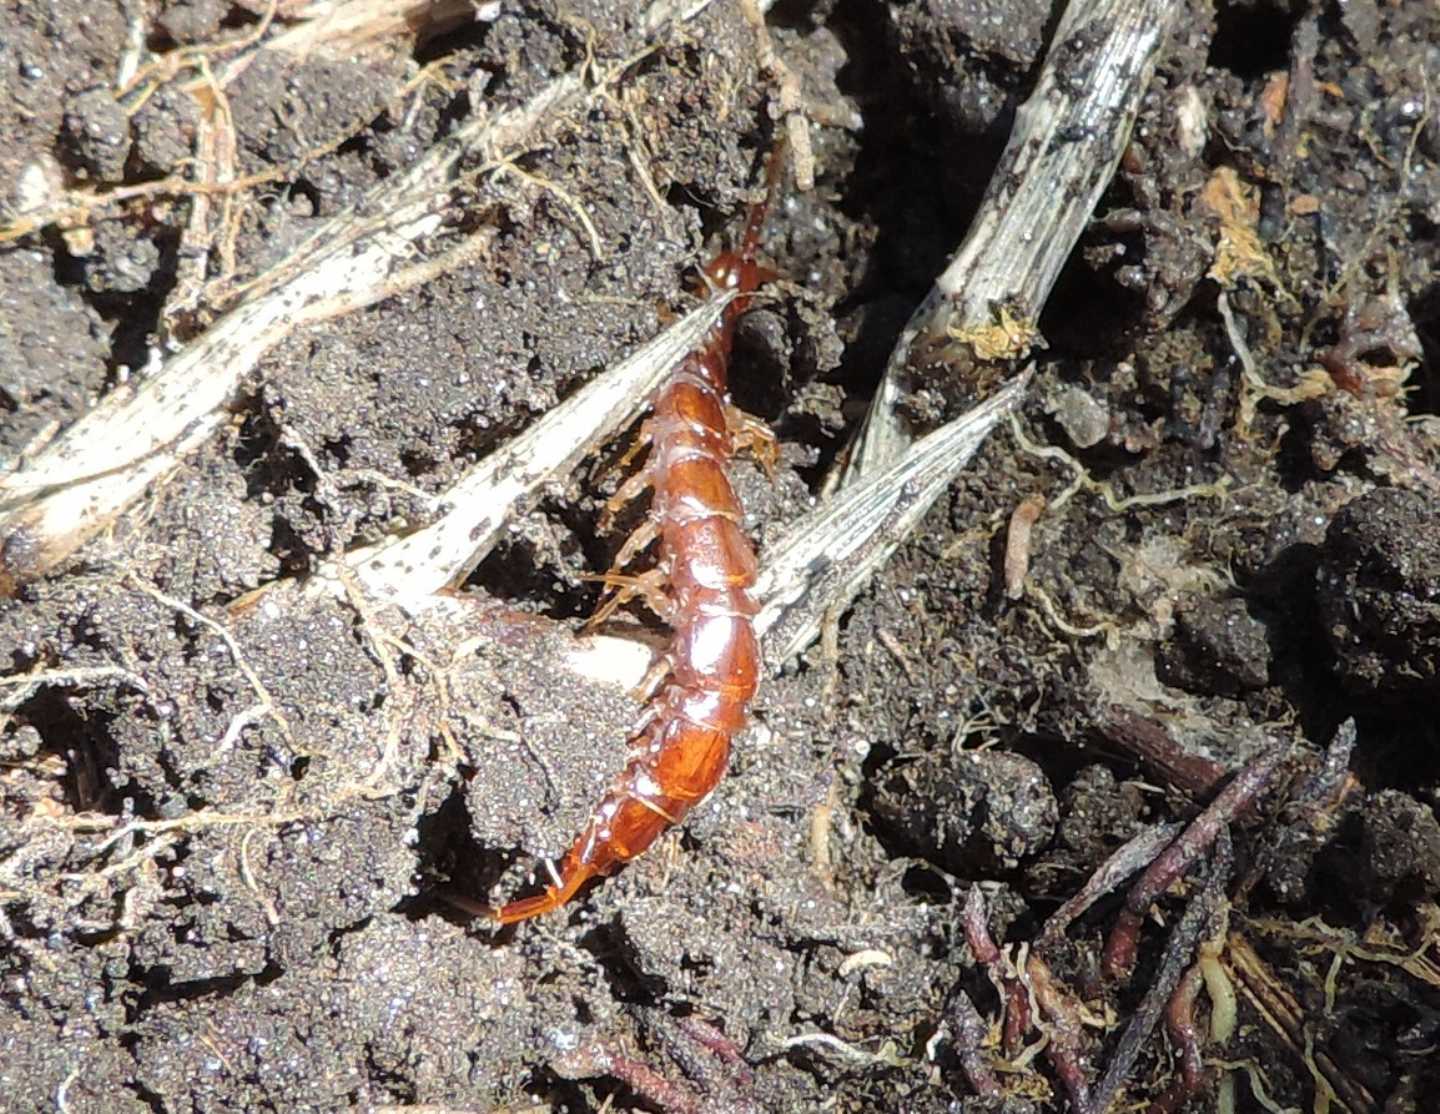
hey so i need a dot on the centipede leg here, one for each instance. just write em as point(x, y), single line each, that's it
point(643, 438)
point(748, 433)
point(633, 487)
point(649, 586)
point(634, 545)
point(654, 677)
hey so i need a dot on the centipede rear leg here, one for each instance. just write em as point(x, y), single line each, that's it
point(654, 679)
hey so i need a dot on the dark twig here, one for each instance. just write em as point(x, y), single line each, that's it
point(1172, 863)
point(1312, 809)
point(713, 1040)
point(1017, 1018)
point(1316, 799)
point(1150, 743)
point(977, 930)
point(1130, 858)
point(1180, 1025)
point(1179, 950)
point(967, 1033)
point(1007, 984)
point(714, 1064)
point(600, 1058)
point(1069, 1047)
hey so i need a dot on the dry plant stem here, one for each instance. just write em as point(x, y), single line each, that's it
point(1150, 743)
point(1194, 841)
point(87, 477)
point(1084, 481)
point(1316, 799)
point(1184, 1032)
point(826, 558)
point(1068, 1049)
point(27, 685)
point(1185, 1038)
point(1179, 950)
point(1316, 803)
point(1068, 138)
point(1010, 988)
point(267, 703)
point(1130, 858)
point(977, 931)
point(663, 12)
point(136, 83)
point(410, 570)
point(789, 105)
point(598, 1058)
point(967, 1034)
point(1255, 388)
point(342, 30)
point(687, 1041)
point(214, 165)
point(713, 1040)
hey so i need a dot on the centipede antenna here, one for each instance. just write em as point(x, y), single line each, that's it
point(755, 223)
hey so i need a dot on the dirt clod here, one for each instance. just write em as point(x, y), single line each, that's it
point(1218, 648)
point(1379, 593)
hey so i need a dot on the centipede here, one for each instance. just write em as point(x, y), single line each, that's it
point(701, 586)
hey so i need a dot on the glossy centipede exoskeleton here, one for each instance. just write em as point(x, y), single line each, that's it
point(701, 586)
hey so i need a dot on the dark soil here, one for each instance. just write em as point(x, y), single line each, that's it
point(280, 934)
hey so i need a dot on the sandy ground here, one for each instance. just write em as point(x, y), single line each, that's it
point(234, 815)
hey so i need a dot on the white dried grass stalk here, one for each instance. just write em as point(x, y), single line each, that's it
point(80, 483)
point(410, 570)
point(1068, 137)
point(828, 556)
point(661, 12)
point(339, 29)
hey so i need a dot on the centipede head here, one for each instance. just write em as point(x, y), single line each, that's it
point(738, 270)
point(732, 270)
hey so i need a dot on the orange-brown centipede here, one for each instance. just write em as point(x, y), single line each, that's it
point(701, 586)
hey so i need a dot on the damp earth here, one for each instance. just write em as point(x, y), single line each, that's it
point(240, 829)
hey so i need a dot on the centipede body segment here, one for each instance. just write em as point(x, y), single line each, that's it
point(705, 573)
